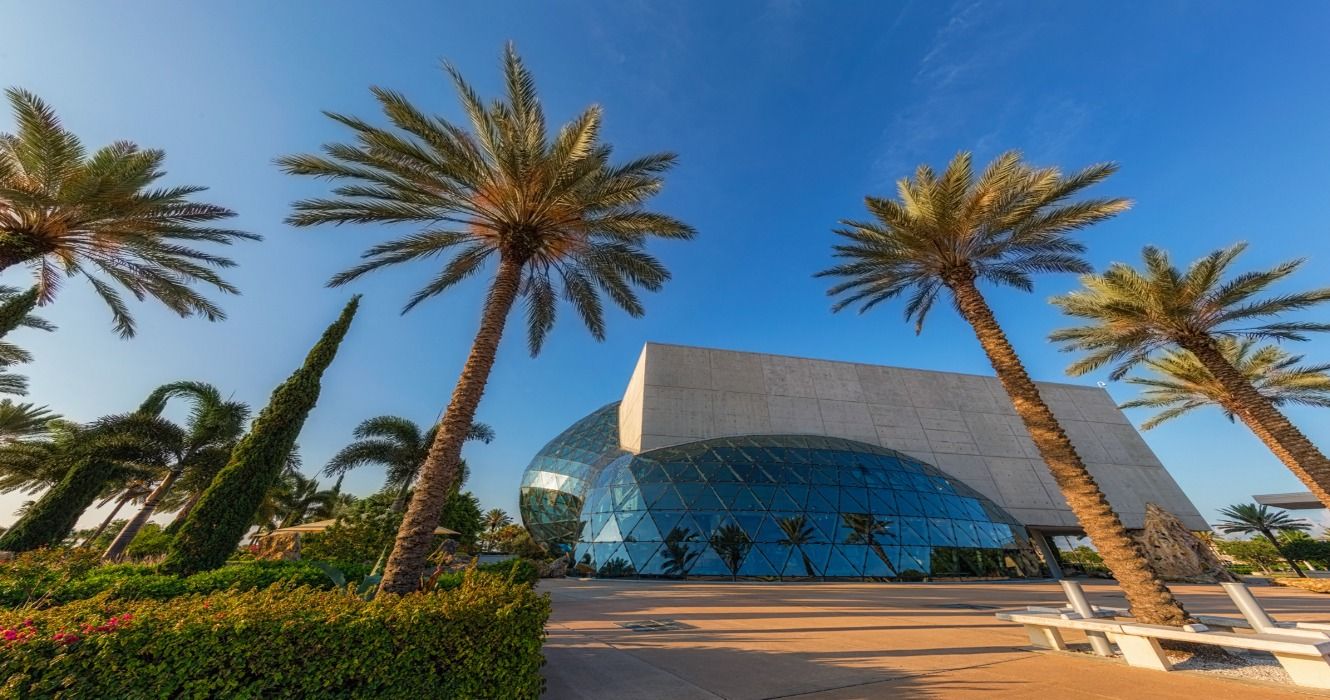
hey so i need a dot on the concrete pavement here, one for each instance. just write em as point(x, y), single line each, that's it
point(840, 641)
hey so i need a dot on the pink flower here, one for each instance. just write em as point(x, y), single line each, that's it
point(10, 635)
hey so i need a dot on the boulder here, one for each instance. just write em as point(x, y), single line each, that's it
point(1176, 553)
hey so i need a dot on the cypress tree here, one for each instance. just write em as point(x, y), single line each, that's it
point(225, 510)
point(53, 517)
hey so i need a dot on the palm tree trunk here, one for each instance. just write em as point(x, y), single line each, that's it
point(399, 503)
point(1150, 600)
point(1274, 541)
point(120, 503)
point(439, 473)
point(131, 528)
point(1270, 425)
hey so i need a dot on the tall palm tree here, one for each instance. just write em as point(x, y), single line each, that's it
point(1181, 384)
point(798, 532)
point(399, 445)
point(64, 213)
point(204, 443)
point(553, 214)
point(1133, 314)
point(1251, 518)
point(21, 421)
point(946, 234)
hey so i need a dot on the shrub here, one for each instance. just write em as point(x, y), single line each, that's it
point(516, 570)
point(481, 639)
point(34, 576)
point(151, 541)
point(248, 576)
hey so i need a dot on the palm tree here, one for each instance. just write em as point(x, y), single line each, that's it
point(496, 518)
point(400, 446)
point(204, 443)
point(1182, 384)
point(65, 213)
point(798, 532)
point(1251, 518)
point(946, 234)
point(15, 311)
point(21, 421)
point(864, 529)
point(133, 492)
point(732, 544)
point(299, 496)
point(678, 555)
point(1133, 314)
point(553, 214)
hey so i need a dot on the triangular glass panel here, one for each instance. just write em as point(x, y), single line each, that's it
point(610, 533)
point(853, 499)
point(907, 503)
point(628, 523)
point(940, 533)
point(882, 502)
point(757, 566)
point(881, 561)
point(616, 564)
point(645, 530)
point(770, 530)
point(665, 521)
point(669, 500)
point(775, 554)
point(783, 500)
point(708, 563)
point(799, 565)
point(826, 525)
point(715, 472)
point(912, 531)
point(915, 558)
point(751, 523)
point(840, 564)
point(817, 502)
point(744, 499)
point(640, 553)
point(764, 493)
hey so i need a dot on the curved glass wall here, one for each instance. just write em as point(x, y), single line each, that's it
point(792, 507)
point(556, 481)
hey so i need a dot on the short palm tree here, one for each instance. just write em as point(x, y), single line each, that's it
point(731, 544)
point(497, 518)
point(65, 213)
point(400, 446)
point(553, 214)
point(1181, 384)
point(1258, 519)
point(946, 234)
point(798, 532)
point(1133, 314)
point(864, 529)
point(299, 497)
point(204, 443)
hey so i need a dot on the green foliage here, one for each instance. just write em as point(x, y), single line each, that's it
point(1258, 552)
point(514, 539)
point(47, 577)
point(1317, 552)
point(359, 536)
point(71, 213)
point(53, 517)
point(481, 639)
point(462, 514)
point(14, 312)
point(152, 541)
point(223, 514)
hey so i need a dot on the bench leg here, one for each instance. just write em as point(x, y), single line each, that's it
point(1045, 637)
point(1306, 671)
point(1143, 652)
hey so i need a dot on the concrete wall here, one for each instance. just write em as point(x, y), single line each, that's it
point(962, 424)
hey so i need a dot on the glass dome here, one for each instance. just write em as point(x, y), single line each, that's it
point(774, 506)
point(556, 481)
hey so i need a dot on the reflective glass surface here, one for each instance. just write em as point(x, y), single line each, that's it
point(791, 507)
point(555, 483)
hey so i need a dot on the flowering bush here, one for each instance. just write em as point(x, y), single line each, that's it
point(481, 639)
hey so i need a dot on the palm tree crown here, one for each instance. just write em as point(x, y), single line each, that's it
point(1254, 518)
point(396, 443)
point(1011, 222)
point(1135, 313)
point(1181, 383)
point(65, 213)
point(555, 207)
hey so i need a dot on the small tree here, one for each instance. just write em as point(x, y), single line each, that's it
point(225, 511)
point(1258, 519)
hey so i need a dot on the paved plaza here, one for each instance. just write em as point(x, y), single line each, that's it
point(825, 641)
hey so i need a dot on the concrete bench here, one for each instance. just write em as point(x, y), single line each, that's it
point(1304, 654)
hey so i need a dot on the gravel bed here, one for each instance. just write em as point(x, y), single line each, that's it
point(1251, 665)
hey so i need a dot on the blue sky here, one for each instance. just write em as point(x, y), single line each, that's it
point(784, 114)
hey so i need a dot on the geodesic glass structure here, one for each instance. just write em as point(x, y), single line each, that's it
point(767, 506)
point(555, 483)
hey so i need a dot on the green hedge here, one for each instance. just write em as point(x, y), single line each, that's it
point(52, 577)
point(481, 640)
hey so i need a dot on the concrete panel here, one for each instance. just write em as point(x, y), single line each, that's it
point(788, 376)
point(962, 424)
point(737, 371)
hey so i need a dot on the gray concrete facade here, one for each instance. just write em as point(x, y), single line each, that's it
point(962, 424)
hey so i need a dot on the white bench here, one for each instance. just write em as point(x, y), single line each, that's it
point(1304, 653)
